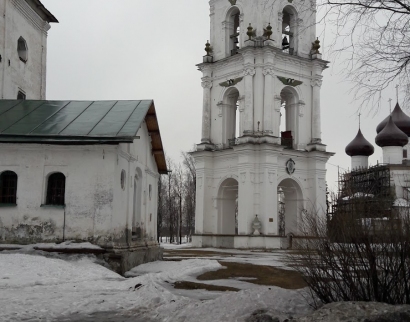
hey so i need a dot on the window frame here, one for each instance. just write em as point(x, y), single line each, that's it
point(22, 94)
point(53, 198)
point(11, 197)
point(22, 52)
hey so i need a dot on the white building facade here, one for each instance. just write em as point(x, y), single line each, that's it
point(82, 171)
point(261, 154)
point(23, 48)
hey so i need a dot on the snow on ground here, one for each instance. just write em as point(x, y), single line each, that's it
point(175, 246)
point(61, 246)
point(34, 287)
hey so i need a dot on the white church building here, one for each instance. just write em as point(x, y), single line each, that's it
point(72, 170)
point(261, 163)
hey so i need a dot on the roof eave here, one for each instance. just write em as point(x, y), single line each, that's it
point(42, 11)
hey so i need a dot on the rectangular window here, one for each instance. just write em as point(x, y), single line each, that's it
point(404, 154)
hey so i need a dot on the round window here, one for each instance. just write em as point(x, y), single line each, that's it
point(123, 179)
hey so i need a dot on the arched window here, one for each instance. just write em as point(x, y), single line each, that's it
point(22, 49)
point(8, 188)
point(231, 117)
point(233, 28)
point(56, 189)
point(289, 116)
point(289, 24)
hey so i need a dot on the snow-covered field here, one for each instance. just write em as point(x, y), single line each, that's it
point(76, 288)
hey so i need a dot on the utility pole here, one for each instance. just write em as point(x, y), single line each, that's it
point(169, 205)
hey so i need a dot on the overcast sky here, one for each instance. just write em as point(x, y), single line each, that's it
point(145, 49)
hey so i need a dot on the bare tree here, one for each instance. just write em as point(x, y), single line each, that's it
point(376, 37)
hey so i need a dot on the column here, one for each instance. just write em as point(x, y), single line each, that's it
point(249, 72)
point(276, 117)
point(316, 124)
point(248, 113)
point(258, 98)
point(268, 102)
point(241, 109)
point(206, 110)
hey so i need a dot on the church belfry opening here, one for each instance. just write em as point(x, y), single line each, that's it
point(289, 33)
point(233, 31)
point(260, 163)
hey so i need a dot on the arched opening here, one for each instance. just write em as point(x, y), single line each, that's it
point(231, 118)
point(22, 49)
point(228, 207)
point(233, 31)
point(56, 189)
point(289, 30)
point(136, 219)
point(288, 116)
point(8, 188)
point(290, 203)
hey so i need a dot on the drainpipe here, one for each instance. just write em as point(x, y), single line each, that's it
point(64, 226)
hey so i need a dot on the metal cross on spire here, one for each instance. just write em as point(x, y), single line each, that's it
point(360, 114)
point(390, 100)
point(397, 92)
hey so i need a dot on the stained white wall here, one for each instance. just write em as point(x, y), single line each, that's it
point(18, 19)
point(259, 171)
point(97, 208)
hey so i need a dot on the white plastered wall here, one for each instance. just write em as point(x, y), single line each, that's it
point(97, 208)
point(18, 19)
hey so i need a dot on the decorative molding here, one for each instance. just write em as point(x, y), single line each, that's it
point(272, 176)
point(31, 16)
point(289, 81)
point(243, 177)
point(249, 71)
point(269, 71)
point(231, 82)
point(152, 173)
point(316, 82)
point(127, 156)
point(207, 84)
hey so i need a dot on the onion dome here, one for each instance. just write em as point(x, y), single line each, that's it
point(359, 146)
point(399, 118)
point(391, 135)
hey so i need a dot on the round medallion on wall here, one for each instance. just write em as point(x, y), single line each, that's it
point(290, 166)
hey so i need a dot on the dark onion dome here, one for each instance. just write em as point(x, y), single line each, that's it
point(359, 146)
point(391, 135)
point(399, 118)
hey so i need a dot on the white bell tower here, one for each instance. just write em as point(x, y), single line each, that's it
point(261, 155)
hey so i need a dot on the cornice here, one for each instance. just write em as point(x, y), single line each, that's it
point(152, 173)
point(31, 16)
point(126, 156)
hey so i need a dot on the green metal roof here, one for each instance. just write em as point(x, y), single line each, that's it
point(79, 122)
point(67, 119)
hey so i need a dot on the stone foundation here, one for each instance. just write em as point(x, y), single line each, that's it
point(122, 260)
point(241, 241)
